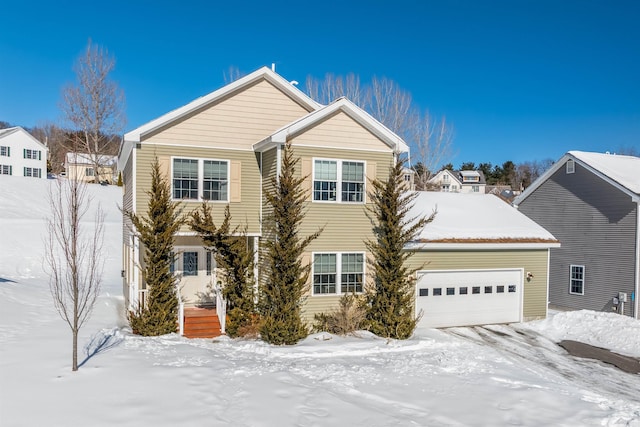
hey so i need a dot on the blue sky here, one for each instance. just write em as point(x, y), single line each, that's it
point(520, 80)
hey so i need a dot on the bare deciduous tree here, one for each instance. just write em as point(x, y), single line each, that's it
point(384, 99)
point(74, 255)
point(94, 105)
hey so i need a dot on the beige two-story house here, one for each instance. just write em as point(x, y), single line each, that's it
point(225, 147)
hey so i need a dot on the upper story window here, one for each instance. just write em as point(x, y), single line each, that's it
point(32, 154)
point(445, 177)
point(338, 181)
point(200, 179)
point(5, 151)
point(571, 166)
point(576, 280)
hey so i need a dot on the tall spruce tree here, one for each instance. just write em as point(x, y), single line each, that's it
point(235, 259)
point(156, 231)
point(283, 291)
point(389, 301)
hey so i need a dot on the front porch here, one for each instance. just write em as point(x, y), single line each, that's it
point(201, 322)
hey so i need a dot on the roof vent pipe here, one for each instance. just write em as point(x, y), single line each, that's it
point(273, 67)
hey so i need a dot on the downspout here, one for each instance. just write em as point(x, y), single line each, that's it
point(278, 163)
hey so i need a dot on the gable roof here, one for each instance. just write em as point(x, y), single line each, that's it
point(459, 174)
point(479, 220)
point(9, 131)
point(265, 73)
point(340, 105)
point(619, 171)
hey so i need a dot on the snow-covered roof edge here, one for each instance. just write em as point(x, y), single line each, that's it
point(85, 159)
point(11, 131)
point(266, 73)
point(341, 104)
point(575, 156)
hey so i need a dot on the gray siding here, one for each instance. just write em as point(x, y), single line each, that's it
point(596, 225)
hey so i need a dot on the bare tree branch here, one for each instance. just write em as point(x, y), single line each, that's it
point(73, 255)
point(94, 105)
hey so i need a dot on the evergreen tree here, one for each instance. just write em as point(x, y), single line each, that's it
point(283, 290)
point(156, 232)
point(390, 300)
point(235, 259)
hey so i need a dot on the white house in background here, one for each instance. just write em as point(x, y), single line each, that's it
point(81, 166)
point(21, 154)
point(448, 181)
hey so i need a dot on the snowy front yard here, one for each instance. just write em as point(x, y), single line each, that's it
point(497, 375)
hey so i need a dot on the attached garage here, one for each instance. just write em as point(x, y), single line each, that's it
point(480, 261)
point(469, 297)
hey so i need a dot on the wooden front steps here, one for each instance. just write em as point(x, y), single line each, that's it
point(201, 323)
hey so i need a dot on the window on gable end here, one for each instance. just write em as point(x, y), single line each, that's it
point(571, 166)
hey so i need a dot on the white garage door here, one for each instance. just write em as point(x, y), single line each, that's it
point(469, 297)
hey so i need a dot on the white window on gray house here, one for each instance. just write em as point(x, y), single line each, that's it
point(215, 181)
point(576, 280)
point(33, 172)
point(5, 151)
point(200, 179)
point(329, 175)
point(190, 264)
point(338, 273)
point(6, 170)
point(32, 154)
point(571, 166)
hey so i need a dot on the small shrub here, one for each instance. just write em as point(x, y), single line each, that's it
point(345, 320)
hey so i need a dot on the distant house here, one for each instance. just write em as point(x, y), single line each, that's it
point(590, 202)
point(449, 181)
point(81, 166)
point(21, 154)
point(479, 262)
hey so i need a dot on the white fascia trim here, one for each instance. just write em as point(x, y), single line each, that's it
point(208, 147)
point(342, 104)
point(264, 72)
point(194, 234)
point(480, 246)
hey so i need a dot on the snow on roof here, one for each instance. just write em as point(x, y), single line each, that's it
point(475, 218)
point(85, 159)
point(10, 131)
point(622, 169)
point(469, 173)
point(7, 131)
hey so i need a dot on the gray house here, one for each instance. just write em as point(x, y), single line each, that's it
point(591, 203)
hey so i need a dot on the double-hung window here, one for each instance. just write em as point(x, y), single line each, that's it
point(32, 154)
point(200, 179)
point(215, 181)
point(5, 170)
point(33, 172)
point(5, 151)
point(338, 273)
point(576, 279)
point(338, 181)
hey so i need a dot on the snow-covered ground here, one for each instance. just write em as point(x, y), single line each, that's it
point(496, 375)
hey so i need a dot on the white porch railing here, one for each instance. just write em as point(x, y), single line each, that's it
point(221, 308)
point(180, 313)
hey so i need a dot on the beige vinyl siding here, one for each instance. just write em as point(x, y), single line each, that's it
point(340, 131)
point(237, 121)
point(244, 212)
point(127, 197)
point(532, 260)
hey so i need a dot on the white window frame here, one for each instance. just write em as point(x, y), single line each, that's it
point(339, 165)
point(5, 151)
point(201, 161)
point(338, 272)
point(89, 171)
point(32, 154)
point(475, 188)
point(6, 170)
point(571, 166)
point(572, 279)
point(32, 172)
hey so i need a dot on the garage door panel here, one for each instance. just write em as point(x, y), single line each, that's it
point(469, 297)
